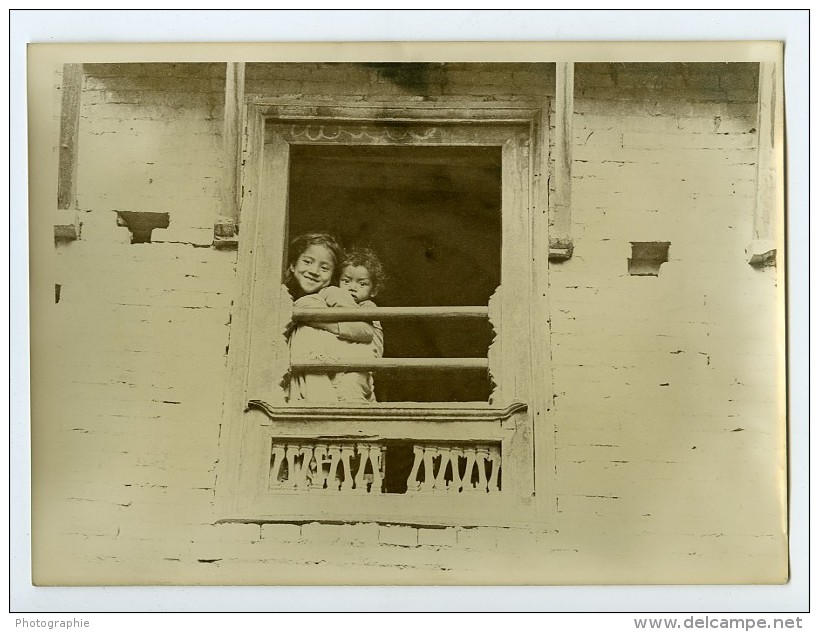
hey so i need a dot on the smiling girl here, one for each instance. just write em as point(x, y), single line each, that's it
point(312, 270)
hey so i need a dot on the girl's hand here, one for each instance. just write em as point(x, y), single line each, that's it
point(333, 328)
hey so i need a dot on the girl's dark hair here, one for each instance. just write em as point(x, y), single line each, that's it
point(302, 243)
point(366, 258)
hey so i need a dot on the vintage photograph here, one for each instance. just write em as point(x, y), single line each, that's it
point(325, 317)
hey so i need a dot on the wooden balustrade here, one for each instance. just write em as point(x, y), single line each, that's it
point(345, 467)
point(359, 468)
point(444, 469)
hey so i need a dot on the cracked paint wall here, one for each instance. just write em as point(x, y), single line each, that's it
point(662, 406)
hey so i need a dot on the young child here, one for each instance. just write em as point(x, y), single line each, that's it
point(362, 276)
point(313, 266)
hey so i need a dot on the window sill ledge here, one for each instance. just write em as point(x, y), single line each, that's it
point(390, 411)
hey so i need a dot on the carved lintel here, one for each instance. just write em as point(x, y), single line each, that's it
point(379, 134)
point(225, 233)
point(66, 226)
point(560, 248)
point(761, 253)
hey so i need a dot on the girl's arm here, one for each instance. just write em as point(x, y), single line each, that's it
point(356, 331)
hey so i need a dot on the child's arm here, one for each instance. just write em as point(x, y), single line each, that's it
point(355, 331)
point(378, 332)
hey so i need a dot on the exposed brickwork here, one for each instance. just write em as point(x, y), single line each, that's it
point(141, 333)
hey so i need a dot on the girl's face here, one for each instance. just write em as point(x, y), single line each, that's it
point(313, 269)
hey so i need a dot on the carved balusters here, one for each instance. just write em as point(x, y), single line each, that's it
point(428, 484)
point(324, 465)
point(441, 469)
point(377, 461)
point(469, 454)
point(372, 455)
point(298, 465)
point(444, 460)
point(278, 467)
point(413, 484)
point(476, 468)
point(339, 468)
point(456, 454)
point(347, 452)
point(494, 459)
point(358, 468)
point(332, 479)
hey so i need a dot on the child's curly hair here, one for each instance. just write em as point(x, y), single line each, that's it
point(366, 257)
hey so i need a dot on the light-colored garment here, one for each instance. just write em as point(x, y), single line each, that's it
point(352, 387)
point(354, 341)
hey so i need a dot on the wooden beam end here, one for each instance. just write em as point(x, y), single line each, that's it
point(66, 226)
point(761, 253)
point(560, 248)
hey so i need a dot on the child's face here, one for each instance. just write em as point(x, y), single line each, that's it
point(313, 270)
point(356, 280)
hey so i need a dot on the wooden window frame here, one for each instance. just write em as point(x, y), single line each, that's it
point(519, 415)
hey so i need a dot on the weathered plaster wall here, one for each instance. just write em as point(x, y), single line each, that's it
point(151, 141)
point(645, 399)
point(666, 400)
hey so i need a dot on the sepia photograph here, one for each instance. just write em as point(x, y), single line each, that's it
point(436, 315)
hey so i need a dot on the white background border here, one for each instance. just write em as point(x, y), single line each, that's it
point(391, 25)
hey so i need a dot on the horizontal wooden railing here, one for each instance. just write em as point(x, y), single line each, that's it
point(341, 314)
point(386, 364)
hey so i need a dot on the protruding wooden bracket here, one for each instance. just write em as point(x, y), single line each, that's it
point(560, 249)
point(66, 225)
point(225, 233)
point(761, 253)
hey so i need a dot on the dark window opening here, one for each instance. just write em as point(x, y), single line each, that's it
point(433, 215)
point(398, 459)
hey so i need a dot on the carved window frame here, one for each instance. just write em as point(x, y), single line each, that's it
point(518, 417)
